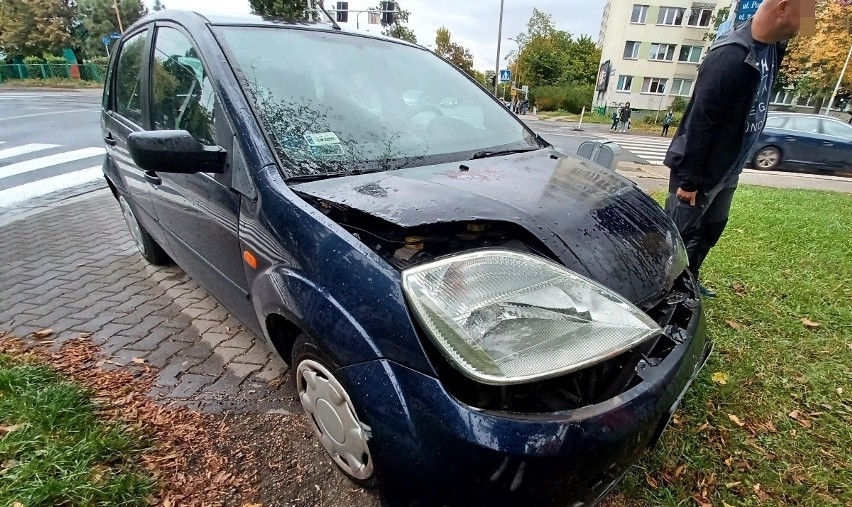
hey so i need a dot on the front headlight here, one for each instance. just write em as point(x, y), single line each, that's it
point(504, 317)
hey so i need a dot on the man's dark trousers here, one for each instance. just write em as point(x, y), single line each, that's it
point(702, 225)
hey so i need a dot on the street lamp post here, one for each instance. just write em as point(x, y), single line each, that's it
point(499, 40)
point(839, 81)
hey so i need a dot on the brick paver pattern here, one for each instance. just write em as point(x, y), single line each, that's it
point(75, 269)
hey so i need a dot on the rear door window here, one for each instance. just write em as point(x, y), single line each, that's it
point(837, 129)
point(807, 124)
point(128, 78)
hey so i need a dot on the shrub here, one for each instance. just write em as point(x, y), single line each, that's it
point(679, 105)
point(571, 98)
point(33, 66)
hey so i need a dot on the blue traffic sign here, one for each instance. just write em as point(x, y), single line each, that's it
point(105, 40)
point(505, 76)
point(115, 35)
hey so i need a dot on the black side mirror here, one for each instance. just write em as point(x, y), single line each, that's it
point(174, 151)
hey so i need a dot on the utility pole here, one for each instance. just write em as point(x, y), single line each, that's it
point(839, 80)
point(499, 40)
point(118, 16)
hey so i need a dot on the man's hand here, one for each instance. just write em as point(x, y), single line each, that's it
point(685, 196)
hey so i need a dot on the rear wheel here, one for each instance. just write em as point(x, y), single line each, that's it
point(768, 158)
point(148, 247)
point(332, 414)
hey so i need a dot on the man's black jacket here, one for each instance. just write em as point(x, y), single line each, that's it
point(710, 136)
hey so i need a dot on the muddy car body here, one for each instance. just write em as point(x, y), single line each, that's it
point(468, 313)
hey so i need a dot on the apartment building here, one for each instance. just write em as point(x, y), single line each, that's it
point(653, 48)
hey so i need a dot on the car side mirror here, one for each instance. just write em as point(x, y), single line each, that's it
point(174, 151)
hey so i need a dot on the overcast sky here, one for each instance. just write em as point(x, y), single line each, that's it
point(472, 24)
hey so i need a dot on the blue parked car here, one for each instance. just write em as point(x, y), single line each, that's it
point(470, 316)
point(804, 141)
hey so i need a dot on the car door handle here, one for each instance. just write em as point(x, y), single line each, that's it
point(152, 178)
point(110, 140)
point(826, 143)
point(791, 139)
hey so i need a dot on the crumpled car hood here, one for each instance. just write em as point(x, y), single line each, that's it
point(595, 221)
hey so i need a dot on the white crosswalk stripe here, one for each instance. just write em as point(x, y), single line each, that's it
point(27, 175)
point(23, 150)
point(652, 149)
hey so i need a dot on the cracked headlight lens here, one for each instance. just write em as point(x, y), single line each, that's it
point(504, 317)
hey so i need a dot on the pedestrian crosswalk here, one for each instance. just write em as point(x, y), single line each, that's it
point(652, 149)
point(35, 169)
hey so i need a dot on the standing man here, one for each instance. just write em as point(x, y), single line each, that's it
point(725, 116)
point(615, 121)
point(667, 122)
point(624, 117)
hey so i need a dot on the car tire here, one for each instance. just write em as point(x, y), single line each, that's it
point(767, 158)
point(148, 247)
point(331, 413)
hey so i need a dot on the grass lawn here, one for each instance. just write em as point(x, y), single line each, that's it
point(56, 450)
point(769, 420)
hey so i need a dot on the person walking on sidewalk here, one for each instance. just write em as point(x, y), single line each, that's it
point(725, 116)
point(667, 122)
point(614, 121)
point(624, 117)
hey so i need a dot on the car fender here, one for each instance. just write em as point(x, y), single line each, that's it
point(283, 291)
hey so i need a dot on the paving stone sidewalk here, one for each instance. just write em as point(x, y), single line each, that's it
point(70, 265)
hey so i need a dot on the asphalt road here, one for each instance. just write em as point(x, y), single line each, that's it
point(49, 141)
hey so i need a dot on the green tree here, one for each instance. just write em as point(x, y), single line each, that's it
point(35, 27)
point(399, 28)
point(455, 53)
point(720, 18)
point(679, 104)
point(287, 9)
point(158, 6)
point(99, 19)
point(552, 57)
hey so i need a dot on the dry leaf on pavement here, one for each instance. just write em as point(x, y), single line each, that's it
point(44, 333)
point(810, 324)
point(138, 360)
point(736, 420)
point(720, 378)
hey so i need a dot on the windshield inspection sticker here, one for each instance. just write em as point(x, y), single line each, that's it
point(324, 144)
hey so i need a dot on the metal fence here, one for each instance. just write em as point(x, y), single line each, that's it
point(87, 71)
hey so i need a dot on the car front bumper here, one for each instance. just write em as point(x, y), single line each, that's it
point(431, 447)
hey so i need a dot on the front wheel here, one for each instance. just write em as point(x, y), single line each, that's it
point(767, 159)
point(332, 414)
point(148, 247)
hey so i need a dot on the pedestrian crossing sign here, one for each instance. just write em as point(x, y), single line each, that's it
point(505, 75)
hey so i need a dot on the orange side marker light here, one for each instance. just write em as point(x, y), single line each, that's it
point(250, 260)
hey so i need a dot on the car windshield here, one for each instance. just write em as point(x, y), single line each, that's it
point(335, 103)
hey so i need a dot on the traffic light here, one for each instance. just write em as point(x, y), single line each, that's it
point(494, 80)
point(388, 10)
point(343, 12)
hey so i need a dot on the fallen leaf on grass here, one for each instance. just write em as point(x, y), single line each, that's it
point(17, 504)
point(651, 481)
point(44, 333)
point(739, 289)
point(810, 324)
point(839, 390)
point(679, 471)
point(252, 505)
point(762, 496)
point(797, 416)
point(5, 430)
point(735, 325)
point(720, 378)
point(730, 485)
point(702, 427)
point(736, 420)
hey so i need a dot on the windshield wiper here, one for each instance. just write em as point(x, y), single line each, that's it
point(486, 154)
point(303, 178)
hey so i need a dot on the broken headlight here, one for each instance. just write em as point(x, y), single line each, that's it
point(504, 317)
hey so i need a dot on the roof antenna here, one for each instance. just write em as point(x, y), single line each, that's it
point(333, 21)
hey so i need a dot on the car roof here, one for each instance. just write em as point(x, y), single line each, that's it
point(189, 18)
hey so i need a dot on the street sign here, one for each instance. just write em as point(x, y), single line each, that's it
point(746, 9)
point(105, 40)
point(505, 75)
point(525, 89)
point(115, 35)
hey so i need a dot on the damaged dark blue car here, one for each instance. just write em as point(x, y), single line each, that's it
point(470, 316)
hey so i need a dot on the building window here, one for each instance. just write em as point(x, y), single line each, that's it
point(662, 52)
point(690, 54)
point(700, 18)
point(654, 85)
point(681, 87)
point(783, 98)
point(805, 101)
point(631, 50)
point(640, 14)
point(624, 83)
point(671, 16)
